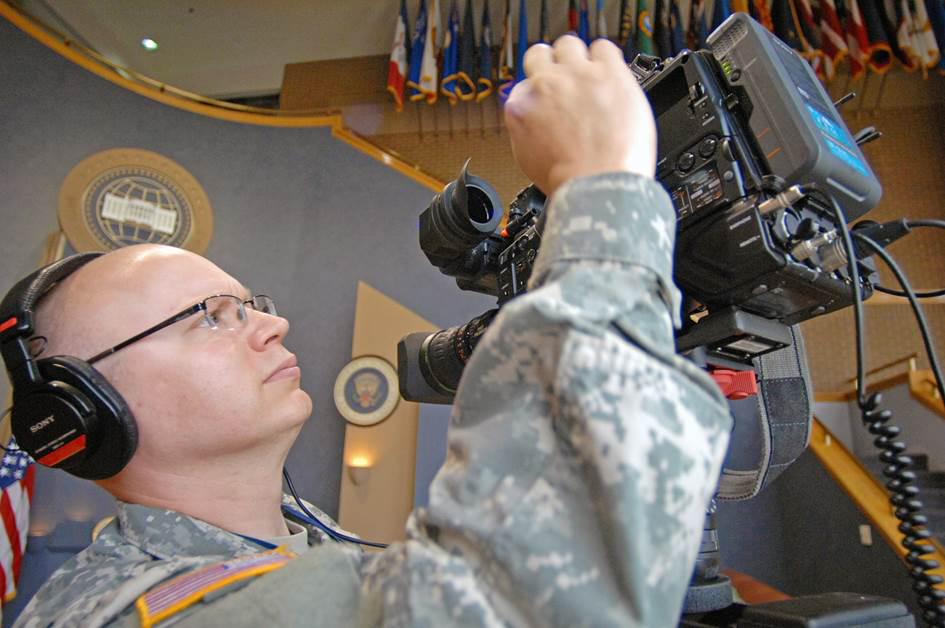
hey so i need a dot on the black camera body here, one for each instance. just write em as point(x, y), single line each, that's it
point(752, 153)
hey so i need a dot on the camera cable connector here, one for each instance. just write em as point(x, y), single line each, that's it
point(781, 200)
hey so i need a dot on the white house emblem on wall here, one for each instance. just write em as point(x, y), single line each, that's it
point(131, 196)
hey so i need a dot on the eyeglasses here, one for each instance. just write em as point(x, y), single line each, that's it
point(221, 311)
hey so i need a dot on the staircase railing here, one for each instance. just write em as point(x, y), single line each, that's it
point(868, 494)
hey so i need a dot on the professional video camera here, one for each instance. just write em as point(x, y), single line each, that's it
point(753, 154)
point(764, 176)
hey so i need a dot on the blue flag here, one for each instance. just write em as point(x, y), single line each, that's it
point(676, 32)
point(484, 84)
point(936, 11)
point(506, 55)
point(625, 35)
point(720, 13)
point(450, 55)
point(467, 70)
point(583, 26)
point(416, 53)
point(522, 42)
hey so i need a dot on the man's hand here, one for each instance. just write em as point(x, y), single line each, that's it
point(579, 112)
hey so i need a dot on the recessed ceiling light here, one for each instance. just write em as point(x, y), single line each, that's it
point(149, 44)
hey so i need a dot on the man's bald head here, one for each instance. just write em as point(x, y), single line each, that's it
point(81, 315)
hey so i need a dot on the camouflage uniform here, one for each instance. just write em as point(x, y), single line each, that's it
point(582, 454)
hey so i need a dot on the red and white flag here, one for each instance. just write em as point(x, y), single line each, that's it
point(16, 493)
point(832, 41)
point(397, 70)
point(857, 40)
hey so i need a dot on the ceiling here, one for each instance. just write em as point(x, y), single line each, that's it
point(237, 48)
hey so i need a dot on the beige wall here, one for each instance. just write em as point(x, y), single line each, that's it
point(909, 161)
point(377, 507)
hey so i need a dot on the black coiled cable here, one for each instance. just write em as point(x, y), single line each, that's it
point(903, 494)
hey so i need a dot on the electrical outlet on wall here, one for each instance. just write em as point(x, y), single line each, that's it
point(866, 535)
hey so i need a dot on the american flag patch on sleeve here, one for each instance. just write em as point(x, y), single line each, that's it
point(175, 595)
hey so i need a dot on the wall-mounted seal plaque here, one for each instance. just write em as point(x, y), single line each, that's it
point(366, 390)
point(128, 196)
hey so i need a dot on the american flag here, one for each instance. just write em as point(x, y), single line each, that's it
point(16, 483)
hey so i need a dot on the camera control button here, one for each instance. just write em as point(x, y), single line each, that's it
point(685, 162)
point(708, 146)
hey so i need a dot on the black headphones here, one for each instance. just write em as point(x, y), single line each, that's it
point(65, 414)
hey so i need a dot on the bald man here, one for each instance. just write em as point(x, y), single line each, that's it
point(582, 450)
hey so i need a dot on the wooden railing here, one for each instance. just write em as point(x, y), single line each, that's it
point(921, 382)
point(869, 496)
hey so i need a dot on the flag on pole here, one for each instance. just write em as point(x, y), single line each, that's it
point(626, 35)
point(584, 27)
point(720, 13)
point(644, 39)
point(417, 45)
point(936, 11)
point(811, 39)
point(662, 36)
point(676, 29)
point(601, 20)
point(760, 11)
point(698, 28)
point(916, 37)
point(484, 83)
point(858, 42)
point(506, 56)
point(832, 42)
point(522, 42)
point(450, 55)
point(784, 26)
point(16, 483)
point(398, 65)
point(572, 16)
point(428, 69)
point(467, 70)
point(543, 35)
point(879, 54)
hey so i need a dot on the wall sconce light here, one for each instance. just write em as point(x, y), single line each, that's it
point(359, 469)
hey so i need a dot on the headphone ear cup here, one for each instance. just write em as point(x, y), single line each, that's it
point(113, 435)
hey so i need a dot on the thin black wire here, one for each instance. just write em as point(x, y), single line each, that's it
point(914, 302)
point(939, 224)
point(920, 295)
point(338, 536)
point(857, 295)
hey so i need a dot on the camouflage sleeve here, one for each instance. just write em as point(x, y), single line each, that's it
point(582, 451)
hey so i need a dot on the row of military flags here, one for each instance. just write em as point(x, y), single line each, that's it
point(867, 35)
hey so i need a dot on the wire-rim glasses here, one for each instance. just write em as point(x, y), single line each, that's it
point(220, 311)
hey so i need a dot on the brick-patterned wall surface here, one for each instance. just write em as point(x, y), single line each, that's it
point(909, 161)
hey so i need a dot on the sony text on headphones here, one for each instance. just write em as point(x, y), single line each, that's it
point(65, 414)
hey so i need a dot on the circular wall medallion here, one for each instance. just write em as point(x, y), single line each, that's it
point(128, 196)
point(366, 390)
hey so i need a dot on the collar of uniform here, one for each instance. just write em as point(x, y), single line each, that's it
point(167, 534)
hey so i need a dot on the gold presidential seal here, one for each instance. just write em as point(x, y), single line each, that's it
point(128, 196)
